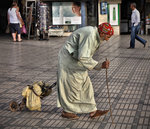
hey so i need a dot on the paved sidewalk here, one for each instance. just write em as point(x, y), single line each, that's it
point(29, 61)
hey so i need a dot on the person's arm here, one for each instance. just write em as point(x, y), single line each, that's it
point(85, 52)
point(19, 17)
point(137, 18)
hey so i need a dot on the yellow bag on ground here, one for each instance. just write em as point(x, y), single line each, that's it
point(33, 102)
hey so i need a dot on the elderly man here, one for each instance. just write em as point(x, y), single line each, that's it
point(75, 90)
point(135, 26)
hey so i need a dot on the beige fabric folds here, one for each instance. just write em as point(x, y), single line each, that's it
point(75, 90)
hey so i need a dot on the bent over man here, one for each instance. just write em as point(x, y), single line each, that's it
point(75, 90)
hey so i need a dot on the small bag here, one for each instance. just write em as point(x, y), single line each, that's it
point(23, 29)
point(20, 26)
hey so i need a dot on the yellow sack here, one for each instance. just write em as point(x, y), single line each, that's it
point(33, 102)
point(20, 26)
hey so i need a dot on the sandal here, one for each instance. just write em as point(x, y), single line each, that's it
point(69, 115)
point(99, 113)
point(20, 40)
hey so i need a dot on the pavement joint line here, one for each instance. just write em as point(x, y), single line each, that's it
point(128, 79)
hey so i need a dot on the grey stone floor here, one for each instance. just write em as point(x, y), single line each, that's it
point(29, 61)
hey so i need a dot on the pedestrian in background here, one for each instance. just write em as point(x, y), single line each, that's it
point(14, 20)
point(135, 27)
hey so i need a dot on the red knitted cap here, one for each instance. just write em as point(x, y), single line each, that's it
point(106, 28)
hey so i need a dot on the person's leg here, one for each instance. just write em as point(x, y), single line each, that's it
point(132, 42)
point(14, 36)
point(13, 31)
point(141, 40)
point(19, 37)
point(18, 32)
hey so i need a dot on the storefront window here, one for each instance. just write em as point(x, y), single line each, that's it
point(73, 15)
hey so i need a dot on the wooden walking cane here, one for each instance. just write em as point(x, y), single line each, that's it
point(109, 95)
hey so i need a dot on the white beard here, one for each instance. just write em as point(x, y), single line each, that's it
point(102, 39)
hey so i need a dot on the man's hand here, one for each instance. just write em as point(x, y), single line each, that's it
point(105, 64)
point(98, 66)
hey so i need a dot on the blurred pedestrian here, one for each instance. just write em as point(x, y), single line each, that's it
point(135, 27)
point(14, 20)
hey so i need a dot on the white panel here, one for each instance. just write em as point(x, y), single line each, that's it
point(113, 14)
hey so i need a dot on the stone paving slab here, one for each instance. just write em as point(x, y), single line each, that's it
point(129, 82)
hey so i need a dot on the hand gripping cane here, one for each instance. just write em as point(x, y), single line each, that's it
point(109, 95)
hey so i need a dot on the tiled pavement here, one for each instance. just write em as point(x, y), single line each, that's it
point(129, 83)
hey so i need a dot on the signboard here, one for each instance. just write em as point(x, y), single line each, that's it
point(66, 13)
point(114, 14)
point(103, 8)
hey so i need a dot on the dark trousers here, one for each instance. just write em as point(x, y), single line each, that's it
point(134, 32)
point(15, 27)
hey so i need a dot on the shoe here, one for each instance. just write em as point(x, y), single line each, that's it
point(145, 44)
point(99, 113)
point(20, 40)
point(130, 48)
point(69, 115)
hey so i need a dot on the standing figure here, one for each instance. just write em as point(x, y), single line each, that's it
point(75, 90)
point(135, 27)
point(14, 20)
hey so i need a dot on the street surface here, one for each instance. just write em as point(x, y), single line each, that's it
point(32, 60)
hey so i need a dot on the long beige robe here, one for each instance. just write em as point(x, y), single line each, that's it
point(75, 90)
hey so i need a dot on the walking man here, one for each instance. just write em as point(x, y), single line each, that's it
point(75, 90)
point(135, 27)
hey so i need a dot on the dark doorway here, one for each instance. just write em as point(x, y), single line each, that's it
point(3, 15)
point(125, 24)
point(92, 12)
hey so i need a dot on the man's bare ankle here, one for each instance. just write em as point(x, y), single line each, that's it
point(92, 113)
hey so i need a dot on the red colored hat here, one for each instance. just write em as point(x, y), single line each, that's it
point(106, 28)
